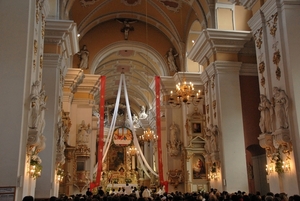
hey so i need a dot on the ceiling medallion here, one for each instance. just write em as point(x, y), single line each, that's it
point(131, 2)
point(173, 5)
point(86, 3)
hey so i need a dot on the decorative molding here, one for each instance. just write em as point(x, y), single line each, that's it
point(131, 3)
point(85, 3)
point(212, 41)
point(63, 33)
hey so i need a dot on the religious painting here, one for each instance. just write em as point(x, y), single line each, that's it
point(122, 136)
point(196, 128)
point(116, 157)
point(198, 166)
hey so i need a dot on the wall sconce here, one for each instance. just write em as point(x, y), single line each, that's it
point(213, 173)
point(212, 176)
point(286, 165)
point(60, 174)
point(35, 167)
point(35, 171)
point(270, 168)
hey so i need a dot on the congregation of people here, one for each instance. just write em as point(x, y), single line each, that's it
point(130, 193)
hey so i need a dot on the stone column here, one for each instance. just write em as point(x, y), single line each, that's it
point(229, 115)
point(46, 184)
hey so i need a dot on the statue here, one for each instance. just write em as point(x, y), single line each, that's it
point(84, 57)
point(127, 27)
point(281, 103)
point(207, 139)
point(171, 60)
point(214, 138)
point(83, 133)
point(173, 133)
point(143, 114)
point(174, 144)
point(266, 112)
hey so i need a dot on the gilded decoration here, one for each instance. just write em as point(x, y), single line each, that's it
point(276, 60)
point(213, 81)
point(258, 38)
point(175, 177)
point(34, 64)
point(41, 61)
point(262, 67)
point(82, 150)
point(272, 23)
point(43, 26)
point(35, 46)
point(206, 87)
point(263, 81)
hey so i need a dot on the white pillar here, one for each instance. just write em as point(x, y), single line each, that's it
point(229, 115)
point(46, 183)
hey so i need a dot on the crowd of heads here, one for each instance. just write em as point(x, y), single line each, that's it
point(137, 195)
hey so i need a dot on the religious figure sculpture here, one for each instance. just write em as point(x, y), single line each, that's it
point(127, 27)
point(83, 132)
point(266, 112)
point(281, 103)
point(207, 139)
point(214, 138)
point(34, 107)
point(84, 57)
point(171, 60)
point(174, 144)
point(143, 114)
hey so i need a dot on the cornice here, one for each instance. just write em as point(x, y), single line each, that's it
point(248, 4)
point(89, 85)
point(249, 70)
point(64, 33)
point(269, 8)
point(210, 70)
point(72, 79)
point(213, 41)
point(52, 60)
point(225, 67)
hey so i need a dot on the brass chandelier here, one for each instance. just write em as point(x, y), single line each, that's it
point(184, 94)
point(148, 135)
point(132, 151)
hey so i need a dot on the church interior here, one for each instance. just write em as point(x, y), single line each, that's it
point(188, 95)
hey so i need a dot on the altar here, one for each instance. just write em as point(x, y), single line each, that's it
point(116, 186)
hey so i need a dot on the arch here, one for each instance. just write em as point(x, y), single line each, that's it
point(194, 33)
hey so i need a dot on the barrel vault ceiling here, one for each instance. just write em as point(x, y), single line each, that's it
point(158, 25)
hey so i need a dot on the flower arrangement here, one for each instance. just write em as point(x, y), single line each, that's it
point(276, 159)
point(35, 166)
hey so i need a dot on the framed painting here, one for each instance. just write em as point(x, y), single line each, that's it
point(196, 127)
point(116, 157)
point(198, 167)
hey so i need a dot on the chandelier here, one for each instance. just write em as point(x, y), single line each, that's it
point(184, 93)
point(132, 151)
point(148, 135)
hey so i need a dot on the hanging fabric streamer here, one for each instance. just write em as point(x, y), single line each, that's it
point(141, 158)
point(101, 132)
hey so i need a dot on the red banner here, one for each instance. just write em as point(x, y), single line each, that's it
point(158, 129)
point(101, 133)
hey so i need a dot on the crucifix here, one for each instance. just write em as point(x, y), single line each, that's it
point(127, 27)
